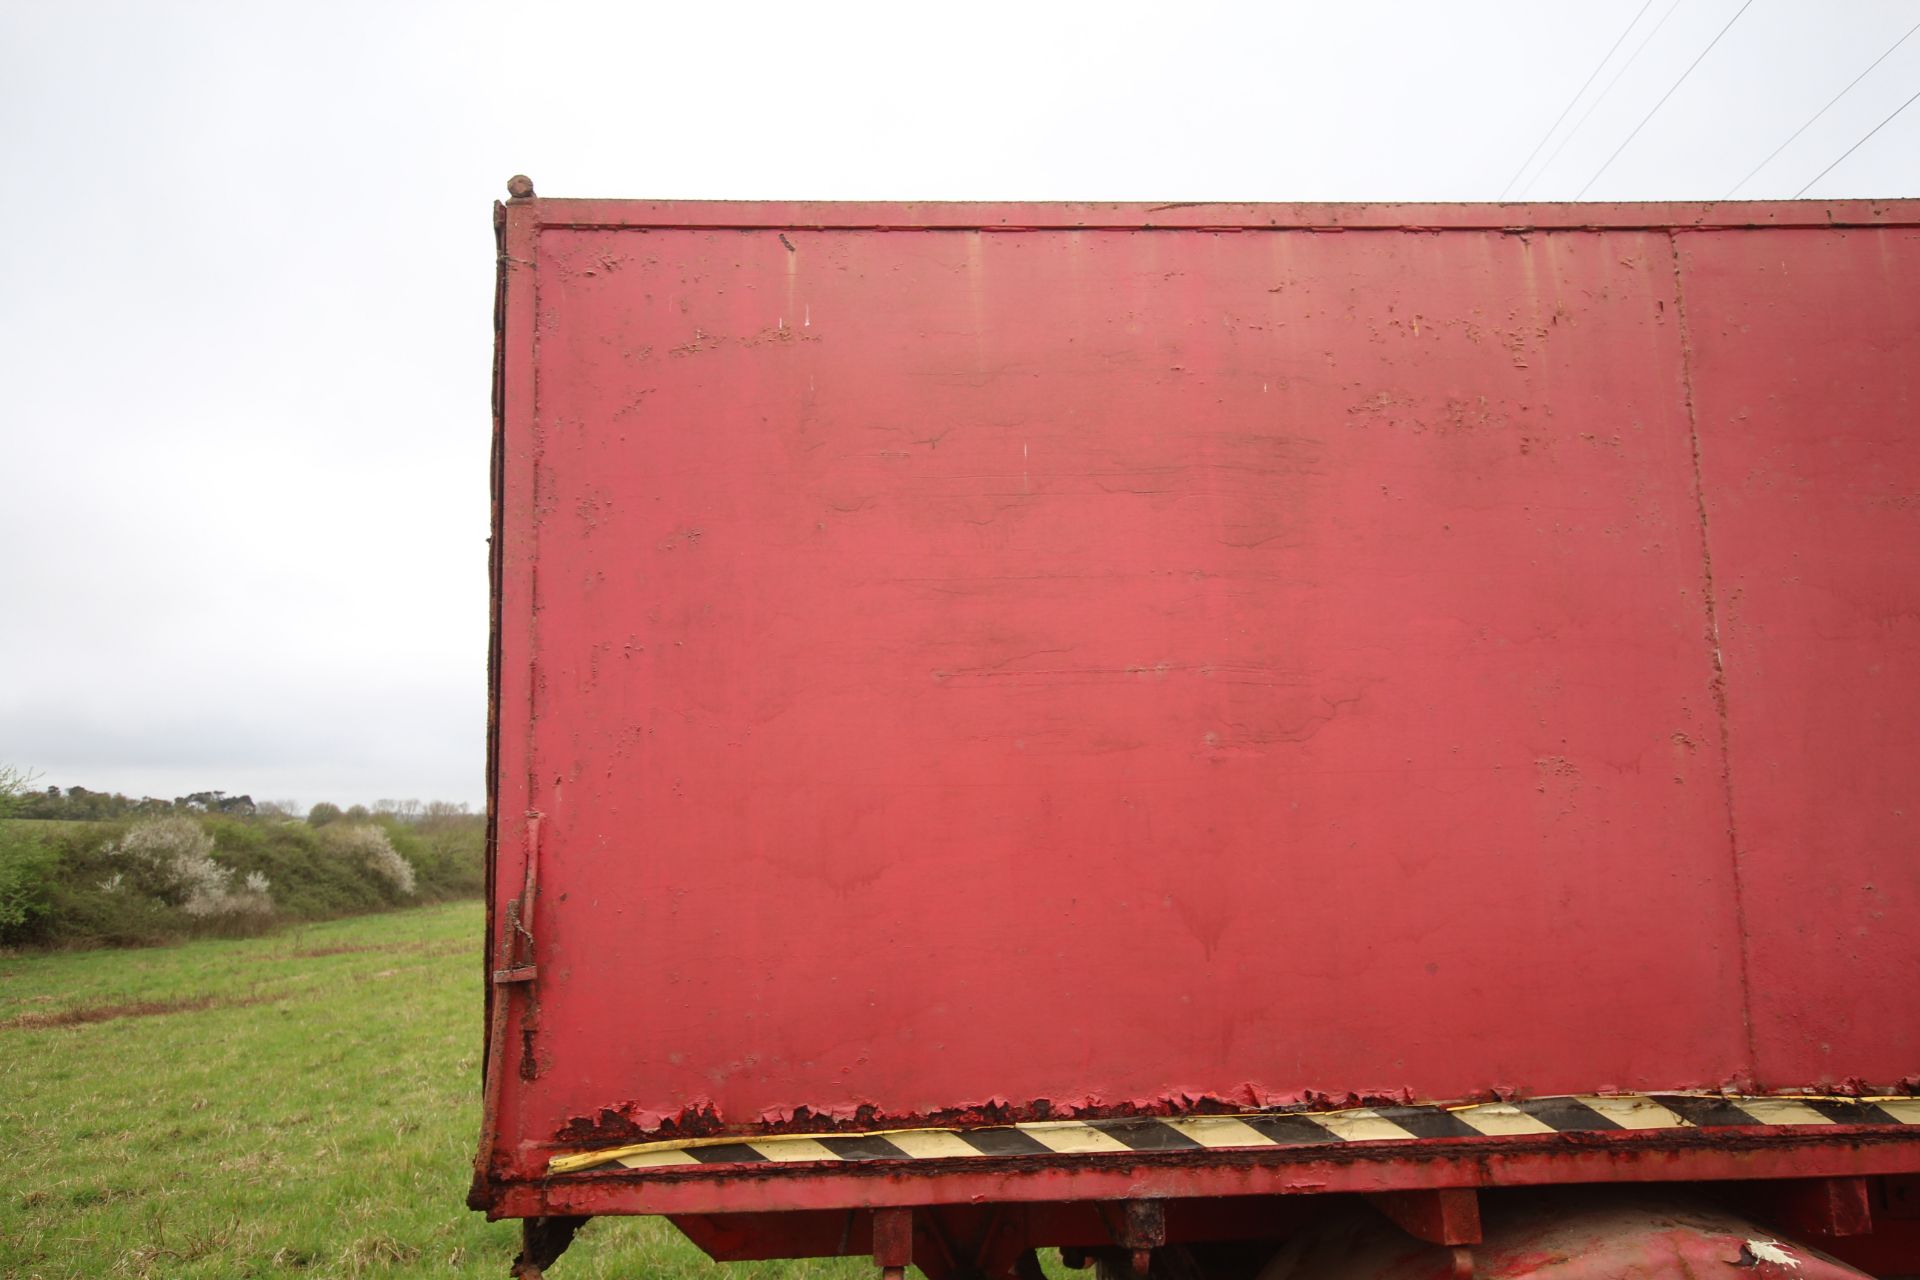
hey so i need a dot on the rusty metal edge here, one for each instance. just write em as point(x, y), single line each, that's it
point(1358, 1167)
point(516, 231)
point(1584, 1113)
point(493, 1026)
point(592, 214)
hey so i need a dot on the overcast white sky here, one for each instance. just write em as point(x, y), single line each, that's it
point(248, 267)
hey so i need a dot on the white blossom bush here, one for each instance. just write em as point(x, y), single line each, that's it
point(369, 845)
point(172, 858)
point(159, 842)
point(250, 899)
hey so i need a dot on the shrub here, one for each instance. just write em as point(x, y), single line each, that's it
point(15, 784)
point(28, 867)
point(370, 847)
point(172, 859)
point(163, 877)
point(448, 853)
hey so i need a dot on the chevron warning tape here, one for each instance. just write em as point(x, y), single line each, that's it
point(1584, 1113)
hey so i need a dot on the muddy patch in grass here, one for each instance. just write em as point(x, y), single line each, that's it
point(79, 1015)
point(414, 948)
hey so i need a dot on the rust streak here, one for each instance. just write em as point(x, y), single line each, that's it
point(1719, 681)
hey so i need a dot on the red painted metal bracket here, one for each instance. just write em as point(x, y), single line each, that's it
point(1443, 1215)
point(1829, 1208)
point(893, 1242)
point(1139, 1227)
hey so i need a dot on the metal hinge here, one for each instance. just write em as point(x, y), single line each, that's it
point(516, 941)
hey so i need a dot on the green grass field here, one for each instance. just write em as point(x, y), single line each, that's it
point(299, 1104)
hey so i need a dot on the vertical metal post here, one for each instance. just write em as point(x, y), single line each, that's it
point(893, 1242)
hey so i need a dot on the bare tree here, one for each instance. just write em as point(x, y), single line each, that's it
point(445, 810)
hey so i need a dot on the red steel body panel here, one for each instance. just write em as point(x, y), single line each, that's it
point(1806, 384)
point(1087, 658)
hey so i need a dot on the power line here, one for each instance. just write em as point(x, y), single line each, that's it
point(1822, 111)
point(1856, 146)
point(1586, 115)
point(1574, 99)
point(1663, 98)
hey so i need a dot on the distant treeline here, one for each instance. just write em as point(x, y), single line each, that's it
point(78, 804)
point(90, 868)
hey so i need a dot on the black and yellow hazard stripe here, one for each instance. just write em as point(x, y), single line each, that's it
point(1585, 1113)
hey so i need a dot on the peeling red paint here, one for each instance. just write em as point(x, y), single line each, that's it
point(630, 1122)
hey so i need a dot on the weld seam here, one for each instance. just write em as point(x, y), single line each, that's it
point(1719, 682)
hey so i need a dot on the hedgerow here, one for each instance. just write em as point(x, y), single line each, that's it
point(174, 876)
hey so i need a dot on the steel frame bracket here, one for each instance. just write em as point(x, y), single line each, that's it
point(1830, 1208)
point(1444, 1215)
point(1139, 1227)
point(893, 1242)
point(542, 1241)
